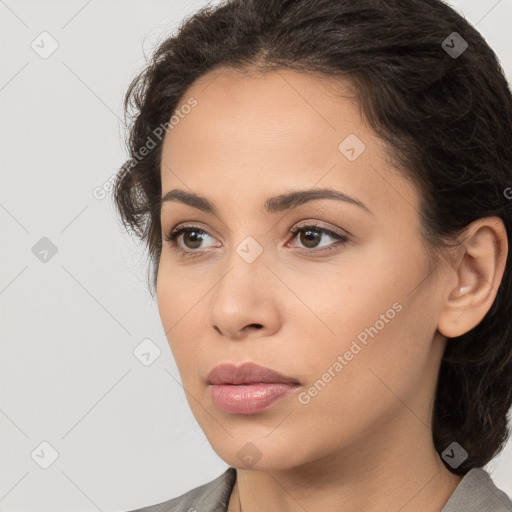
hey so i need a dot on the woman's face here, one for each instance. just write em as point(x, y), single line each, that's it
point(354, 322)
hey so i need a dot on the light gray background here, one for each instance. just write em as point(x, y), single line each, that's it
point(124, 433)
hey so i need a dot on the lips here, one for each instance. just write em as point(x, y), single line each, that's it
point(247, 373)
point(248, 388)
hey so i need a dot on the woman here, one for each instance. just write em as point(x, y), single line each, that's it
point(325, 192)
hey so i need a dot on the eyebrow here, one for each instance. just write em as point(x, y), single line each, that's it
point(274, 204)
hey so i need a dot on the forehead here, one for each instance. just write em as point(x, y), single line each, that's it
point(253, 132)
point(278, 106)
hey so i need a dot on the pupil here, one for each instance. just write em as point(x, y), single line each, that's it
point(197, 241)
point(309, 239)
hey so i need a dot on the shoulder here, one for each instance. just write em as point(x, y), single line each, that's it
point(210, 497)
point(477, 492)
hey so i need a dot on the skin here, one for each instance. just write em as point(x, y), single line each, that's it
point(364, 440)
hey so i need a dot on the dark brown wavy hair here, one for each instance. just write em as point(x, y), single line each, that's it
point(446, 120)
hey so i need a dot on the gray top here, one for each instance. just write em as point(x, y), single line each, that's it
point(476, 492)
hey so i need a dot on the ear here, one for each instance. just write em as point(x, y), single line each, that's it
point(477, 272)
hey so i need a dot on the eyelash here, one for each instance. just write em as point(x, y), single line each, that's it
point(176, 232)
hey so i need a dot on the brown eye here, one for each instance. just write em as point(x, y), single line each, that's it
point(311, 235)
point(310, 238)
point(192, 238)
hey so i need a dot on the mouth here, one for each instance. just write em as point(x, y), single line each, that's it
point(249, 388)
point(249, 398)
point(246, 374)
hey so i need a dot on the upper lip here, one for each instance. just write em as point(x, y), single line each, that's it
point(246, 373)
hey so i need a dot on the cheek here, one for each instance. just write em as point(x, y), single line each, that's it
point(355, 386)
point(178, 301)
point(179, 290)
point(371, 335)
point(376, 364)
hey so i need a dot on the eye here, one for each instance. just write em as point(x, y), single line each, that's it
point(193, 236)
point(312, 234)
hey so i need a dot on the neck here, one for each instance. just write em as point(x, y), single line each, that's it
point(403, 474)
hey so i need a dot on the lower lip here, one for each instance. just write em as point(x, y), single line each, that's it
point(250, 398)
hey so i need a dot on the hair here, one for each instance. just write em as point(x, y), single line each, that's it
point(446, 123)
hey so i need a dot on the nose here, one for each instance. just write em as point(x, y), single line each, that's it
point(245, 302)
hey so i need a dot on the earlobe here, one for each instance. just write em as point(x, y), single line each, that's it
point(479, 271)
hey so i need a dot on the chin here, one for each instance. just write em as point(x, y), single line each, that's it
point(258, 454)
